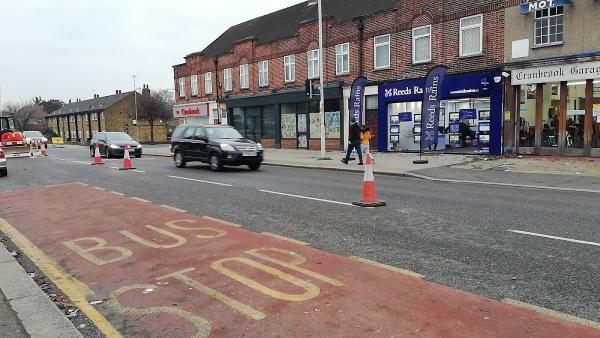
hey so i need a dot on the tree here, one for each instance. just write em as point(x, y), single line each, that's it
point(51, 105)
point(27, 116)
point(156, 107)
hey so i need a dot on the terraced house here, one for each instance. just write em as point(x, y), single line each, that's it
point(256, 73)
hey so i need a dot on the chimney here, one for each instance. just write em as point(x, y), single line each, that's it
point(146, 90)
point(117, 92)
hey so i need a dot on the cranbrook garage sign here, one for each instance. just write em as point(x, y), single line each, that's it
point(568, 72)
point(190, 110)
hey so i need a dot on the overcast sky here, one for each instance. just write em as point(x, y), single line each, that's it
point(69, 49)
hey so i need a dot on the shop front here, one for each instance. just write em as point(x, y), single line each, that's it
point(288, 119)
point(470, 114)
point(196, 113)
point(558, 108)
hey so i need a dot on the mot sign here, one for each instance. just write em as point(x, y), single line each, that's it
point(534, 5)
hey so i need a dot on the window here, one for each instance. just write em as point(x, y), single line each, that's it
point(421, 40)
point(549, 26)
point(72, 119)
point(382, 51)
point(182, 87)
point(208, 83)
point(94, 117)
point(471, 35)
point(194, 85)
point(227, 80)
point(244, 78)
point(263, 73)
point(342, 59)
point(289, 65)
point(313, 64)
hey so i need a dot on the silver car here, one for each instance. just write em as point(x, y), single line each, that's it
point(3, 170)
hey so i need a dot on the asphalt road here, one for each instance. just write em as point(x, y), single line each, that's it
point(454, 234)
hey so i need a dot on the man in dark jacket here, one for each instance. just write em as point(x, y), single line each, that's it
point(354, 142)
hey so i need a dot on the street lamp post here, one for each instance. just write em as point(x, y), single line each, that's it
point(322, 91)
point(137, 123)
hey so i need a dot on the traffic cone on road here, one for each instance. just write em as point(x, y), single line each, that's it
point(127, 165)
point(369, 193)
point(97, 158)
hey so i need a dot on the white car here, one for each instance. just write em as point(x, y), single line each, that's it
point(3, 169)
point(35, 136)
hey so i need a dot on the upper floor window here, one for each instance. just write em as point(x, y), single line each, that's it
point(289, 65)
point(471, 35)
point(312, 58)
point(194, 85)
point(244, 77)
point(263, 73)
point(382, 51)
point(227, 80)
point(421, 40)
point(72, 118)
point(342, 59)
point(549, 26)
point(208, 83)
point(181, 87)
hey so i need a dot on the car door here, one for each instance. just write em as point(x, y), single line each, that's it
point(185, 145)
point(102, 143)
point(201, 144)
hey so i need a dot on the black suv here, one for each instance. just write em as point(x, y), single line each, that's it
point(215, 145)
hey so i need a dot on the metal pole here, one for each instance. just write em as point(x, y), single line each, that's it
point(137, 123)
point(321, 80)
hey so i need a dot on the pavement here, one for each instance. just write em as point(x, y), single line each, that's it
point(441, 260)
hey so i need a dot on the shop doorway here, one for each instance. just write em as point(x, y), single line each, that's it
point(252, 123)
point(371, 121)
point(302, 131)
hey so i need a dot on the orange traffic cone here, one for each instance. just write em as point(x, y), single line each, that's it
point(127, 160)
point(369, 193)
point(97, 158)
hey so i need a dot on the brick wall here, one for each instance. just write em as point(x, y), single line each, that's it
point(444, 16)
point(289, 143)
point(330, 144)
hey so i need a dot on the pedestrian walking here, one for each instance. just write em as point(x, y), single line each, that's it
point(365, 140)
point(353, 142)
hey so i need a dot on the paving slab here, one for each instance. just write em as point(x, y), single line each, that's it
point(163, 272)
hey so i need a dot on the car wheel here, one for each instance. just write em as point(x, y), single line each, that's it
point(254, 166)
point(3, 172)
point(179, 161)
point(215, 163)
point(138, 155)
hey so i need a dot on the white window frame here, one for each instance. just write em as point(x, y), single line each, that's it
point(208, 83)
point(289, 68)
point(244, 76)
point(263, 73)
point(545, 15)
point(312, 64)
point(227, 80)
point(195, 90)
point(382, 44)
point(460, 38)
point(181, 87)
point(342, 59)
point(414, 44)
point(72, 119)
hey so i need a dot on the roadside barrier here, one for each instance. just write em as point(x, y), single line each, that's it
point(369, 192)
point(127, 165)
point(97, 158)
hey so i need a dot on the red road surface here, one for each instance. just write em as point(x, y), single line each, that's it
point(168, 273)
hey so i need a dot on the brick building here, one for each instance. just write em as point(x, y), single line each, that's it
point(79, 121)
point(553, 57)
point(257, 70)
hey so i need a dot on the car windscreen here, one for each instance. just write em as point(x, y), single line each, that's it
point(119, 137)
point(222, 133)
point(32, 134)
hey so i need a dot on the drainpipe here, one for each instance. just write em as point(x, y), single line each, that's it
point(217, 87)
point(361, 35)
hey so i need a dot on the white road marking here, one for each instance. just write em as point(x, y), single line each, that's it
point(116, 193)
point(553, 313)
point(387, 267)
point(136, 171)
point(200, 181)
point(98, 188)
point(291, 240)
point(173, 208)
point(139, 199)
point(86, 163)
point(306, 198)
point(221, 221)
point(554, 237)
point(115, 168)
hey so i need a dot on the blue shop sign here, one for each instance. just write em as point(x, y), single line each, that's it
point(536, 5)
point(406, 117)
point(468, 114)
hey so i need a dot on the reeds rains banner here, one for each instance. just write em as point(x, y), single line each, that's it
point(430, 118)
point(357, 99)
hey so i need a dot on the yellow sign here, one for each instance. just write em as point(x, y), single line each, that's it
point(507, 115)
point(58, 140)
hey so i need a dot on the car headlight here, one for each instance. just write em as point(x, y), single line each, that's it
point(139, 146)
point(259, 146)
point(227, 147)
point(114, 146)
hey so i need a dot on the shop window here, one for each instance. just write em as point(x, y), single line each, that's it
point(289, 65)
point(575, 115)
point(263, 73)
point(194, 85)
point(253, 123)
point(208, 83)
point(227, 80)
point(181, 87)
point(288, 121)
point(382, 51)
point(527, 113)
point(268, 122)
point(421, 44)
point(471, 35)
point(313, 64)
point(237, 120)
point(342, 59)
point(244, 77)
point(549, 26)
point(372, 102)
